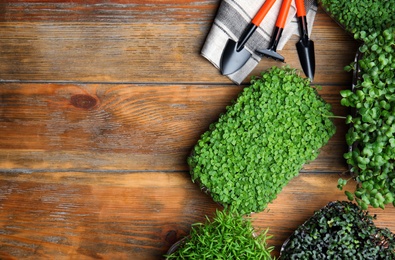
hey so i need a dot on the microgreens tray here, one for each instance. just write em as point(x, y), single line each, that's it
point(334, 18)
point(339, 230)
point(371, 136)
point(225, 236)
point(275, 126)
point(361, 15)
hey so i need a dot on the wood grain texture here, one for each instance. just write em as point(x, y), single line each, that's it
point(97, 215)
point(101, 103)
point(137, 215)
point(185, 11)
point(121, 127)
point(138, 51)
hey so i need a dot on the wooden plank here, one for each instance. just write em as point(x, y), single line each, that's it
point(97, 215)
point(76, 215)
point(186, 11)
point(140, 51)
point(118, 127)
point(121, 127)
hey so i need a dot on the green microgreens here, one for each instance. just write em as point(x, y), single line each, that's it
point(372, 135)
point(227, 236)
point(341, 230)
point(263, 140)
point(362, 15)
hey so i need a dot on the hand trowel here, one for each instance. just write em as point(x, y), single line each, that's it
point(235, 55)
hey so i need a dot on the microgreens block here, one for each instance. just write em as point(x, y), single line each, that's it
point(276, 125)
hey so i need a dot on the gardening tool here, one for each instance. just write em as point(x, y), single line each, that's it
point(278, 30)
point(235, 55)
point(305, 46)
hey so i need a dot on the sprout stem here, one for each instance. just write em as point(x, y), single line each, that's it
point(330, 116)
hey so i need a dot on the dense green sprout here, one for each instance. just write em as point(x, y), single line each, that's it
point(372, 135)
point(276, 125)
point(362, 15)
point(227, 236)
point(341, 230)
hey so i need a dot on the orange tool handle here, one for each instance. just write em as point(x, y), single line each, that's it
point(300, 9)
point(282, 16)
point(262, 12)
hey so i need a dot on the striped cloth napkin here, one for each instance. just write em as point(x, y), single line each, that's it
point(233, 17)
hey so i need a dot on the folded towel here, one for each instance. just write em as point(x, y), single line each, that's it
point(233, 17)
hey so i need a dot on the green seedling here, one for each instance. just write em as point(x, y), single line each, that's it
point(227, 236)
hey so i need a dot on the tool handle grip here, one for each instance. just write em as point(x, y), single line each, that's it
point(282, 16)
point(300, 8)
point(262, 12)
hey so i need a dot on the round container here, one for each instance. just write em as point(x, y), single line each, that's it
point(176, 245)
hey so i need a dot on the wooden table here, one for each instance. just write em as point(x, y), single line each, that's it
point(101, 103)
